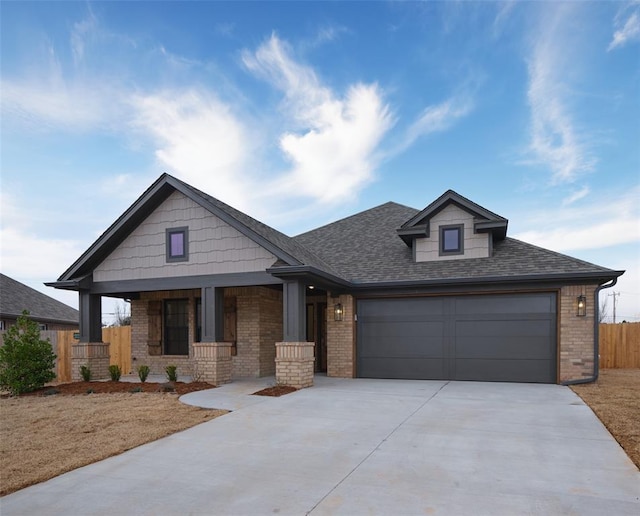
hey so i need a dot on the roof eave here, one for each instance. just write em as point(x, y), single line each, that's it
point(596, 277)
point(312, 274)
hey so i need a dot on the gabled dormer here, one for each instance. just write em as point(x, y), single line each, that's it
point(452, 228)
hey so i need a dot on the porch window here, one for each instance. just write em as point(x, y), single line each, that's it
point(177, 241)
point(176, 327)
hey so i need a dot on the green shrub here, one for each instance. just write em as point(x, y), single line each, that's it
point(143, 372)
point(135, 389)
point(26, 361)
point(172, 373)
point(114, 371)
point(85, 371)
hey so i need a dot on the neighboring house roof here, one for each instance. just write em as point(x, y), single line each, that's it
point(16, 297)
point(365, 248)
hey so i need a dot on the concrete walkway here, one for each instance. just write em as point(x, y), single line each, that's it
point(363, 447)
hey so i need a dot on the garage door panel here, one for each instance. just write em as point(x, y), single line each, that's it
point(496, 337)
point(404, 348)
point(407, 307)
point(522, 348)
point(417, 368)
point(506, 304)
point(504, 329)
point(533, 371)
point(402, 329)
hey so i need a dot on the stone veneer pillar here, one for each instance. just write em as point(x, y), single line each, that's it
point(94, 355)
point(294, 364)
point(212, 362)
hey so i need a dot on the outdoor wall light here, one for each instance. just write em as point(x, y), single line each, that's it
point(582, 306)
point(338, 312)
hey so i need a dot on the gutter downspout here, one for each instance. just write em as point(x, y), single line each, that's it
point(596, 333)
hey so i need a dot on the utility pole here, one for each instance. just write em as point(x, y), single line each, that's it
point(615, 295)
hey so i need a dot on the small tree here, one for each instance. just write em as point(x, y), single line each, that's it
point(26, 361)
point(121, 315)
point(603, 313)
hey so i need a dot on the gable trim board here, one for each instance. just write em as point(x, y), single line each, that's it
point(362, 259)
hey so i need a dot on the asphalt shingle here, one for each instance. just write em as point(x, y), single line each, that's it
point(365, 248)
point(16, 297)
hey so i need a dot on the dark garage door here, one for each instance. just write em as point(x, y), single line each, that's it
point(510, 338)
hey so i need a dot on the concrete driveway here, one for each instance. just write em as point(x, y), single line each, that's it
point(363, 447)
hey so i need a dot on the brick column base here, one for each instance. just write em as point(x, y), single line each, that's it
point(212, 362)
point(294, 364)
point(94, 355)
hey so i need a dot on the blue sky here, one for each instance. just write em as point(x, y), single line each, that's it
point(303, 113)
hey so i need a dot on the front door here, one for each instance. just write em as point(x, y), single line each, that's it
point(317, 333)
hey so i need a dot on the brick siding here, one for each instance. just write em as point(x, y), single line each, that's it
point(294, 364)
point(576, 338)
point(340, 338)
point(259, 327)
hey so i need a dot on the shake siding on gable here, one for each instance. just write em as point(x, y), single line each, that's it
point(476, 245)
point(214, 246)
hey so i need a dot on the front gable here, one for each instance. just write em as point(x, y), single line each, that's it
point(214, 246)
point(452, 228)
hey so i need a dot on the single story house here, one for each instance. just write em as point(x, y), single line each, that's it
point(49, 313)
point(391, 292)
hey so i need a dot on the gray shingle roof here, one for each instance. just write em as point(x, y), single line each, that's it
point(16, 297)
point(365, 248)
point(362, 249)
point(280, 240)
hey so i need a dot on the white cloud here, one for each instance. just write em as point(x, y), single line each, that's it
point(81, 32)
point(576, 196)
point(614, 221)
point(327, 34)
point(627, 25)
point(504, 12)
point(332, 146)
point(50, 103)
point(436, 118)
point(556, 141)
point(198, 138)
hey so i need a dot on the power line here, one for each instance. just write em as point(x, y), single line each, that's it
point(615, 296)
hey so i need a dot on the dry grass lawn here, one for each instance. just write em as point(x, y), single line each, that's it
point(615, 398)
point(44, 436)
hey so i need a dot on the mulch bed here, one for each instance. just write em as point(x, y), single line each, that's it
point(276, 391)
point(111, 387)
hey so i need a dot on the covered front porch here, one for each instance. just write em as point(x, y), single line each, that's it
point(220, 333)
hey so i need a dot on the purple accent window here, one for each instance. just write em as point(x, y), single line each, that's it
point(177, 245)
point(451, 239)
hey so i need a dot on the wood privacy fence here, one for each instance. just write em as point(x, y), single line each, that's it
point(620, 346)
point(120, 350)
